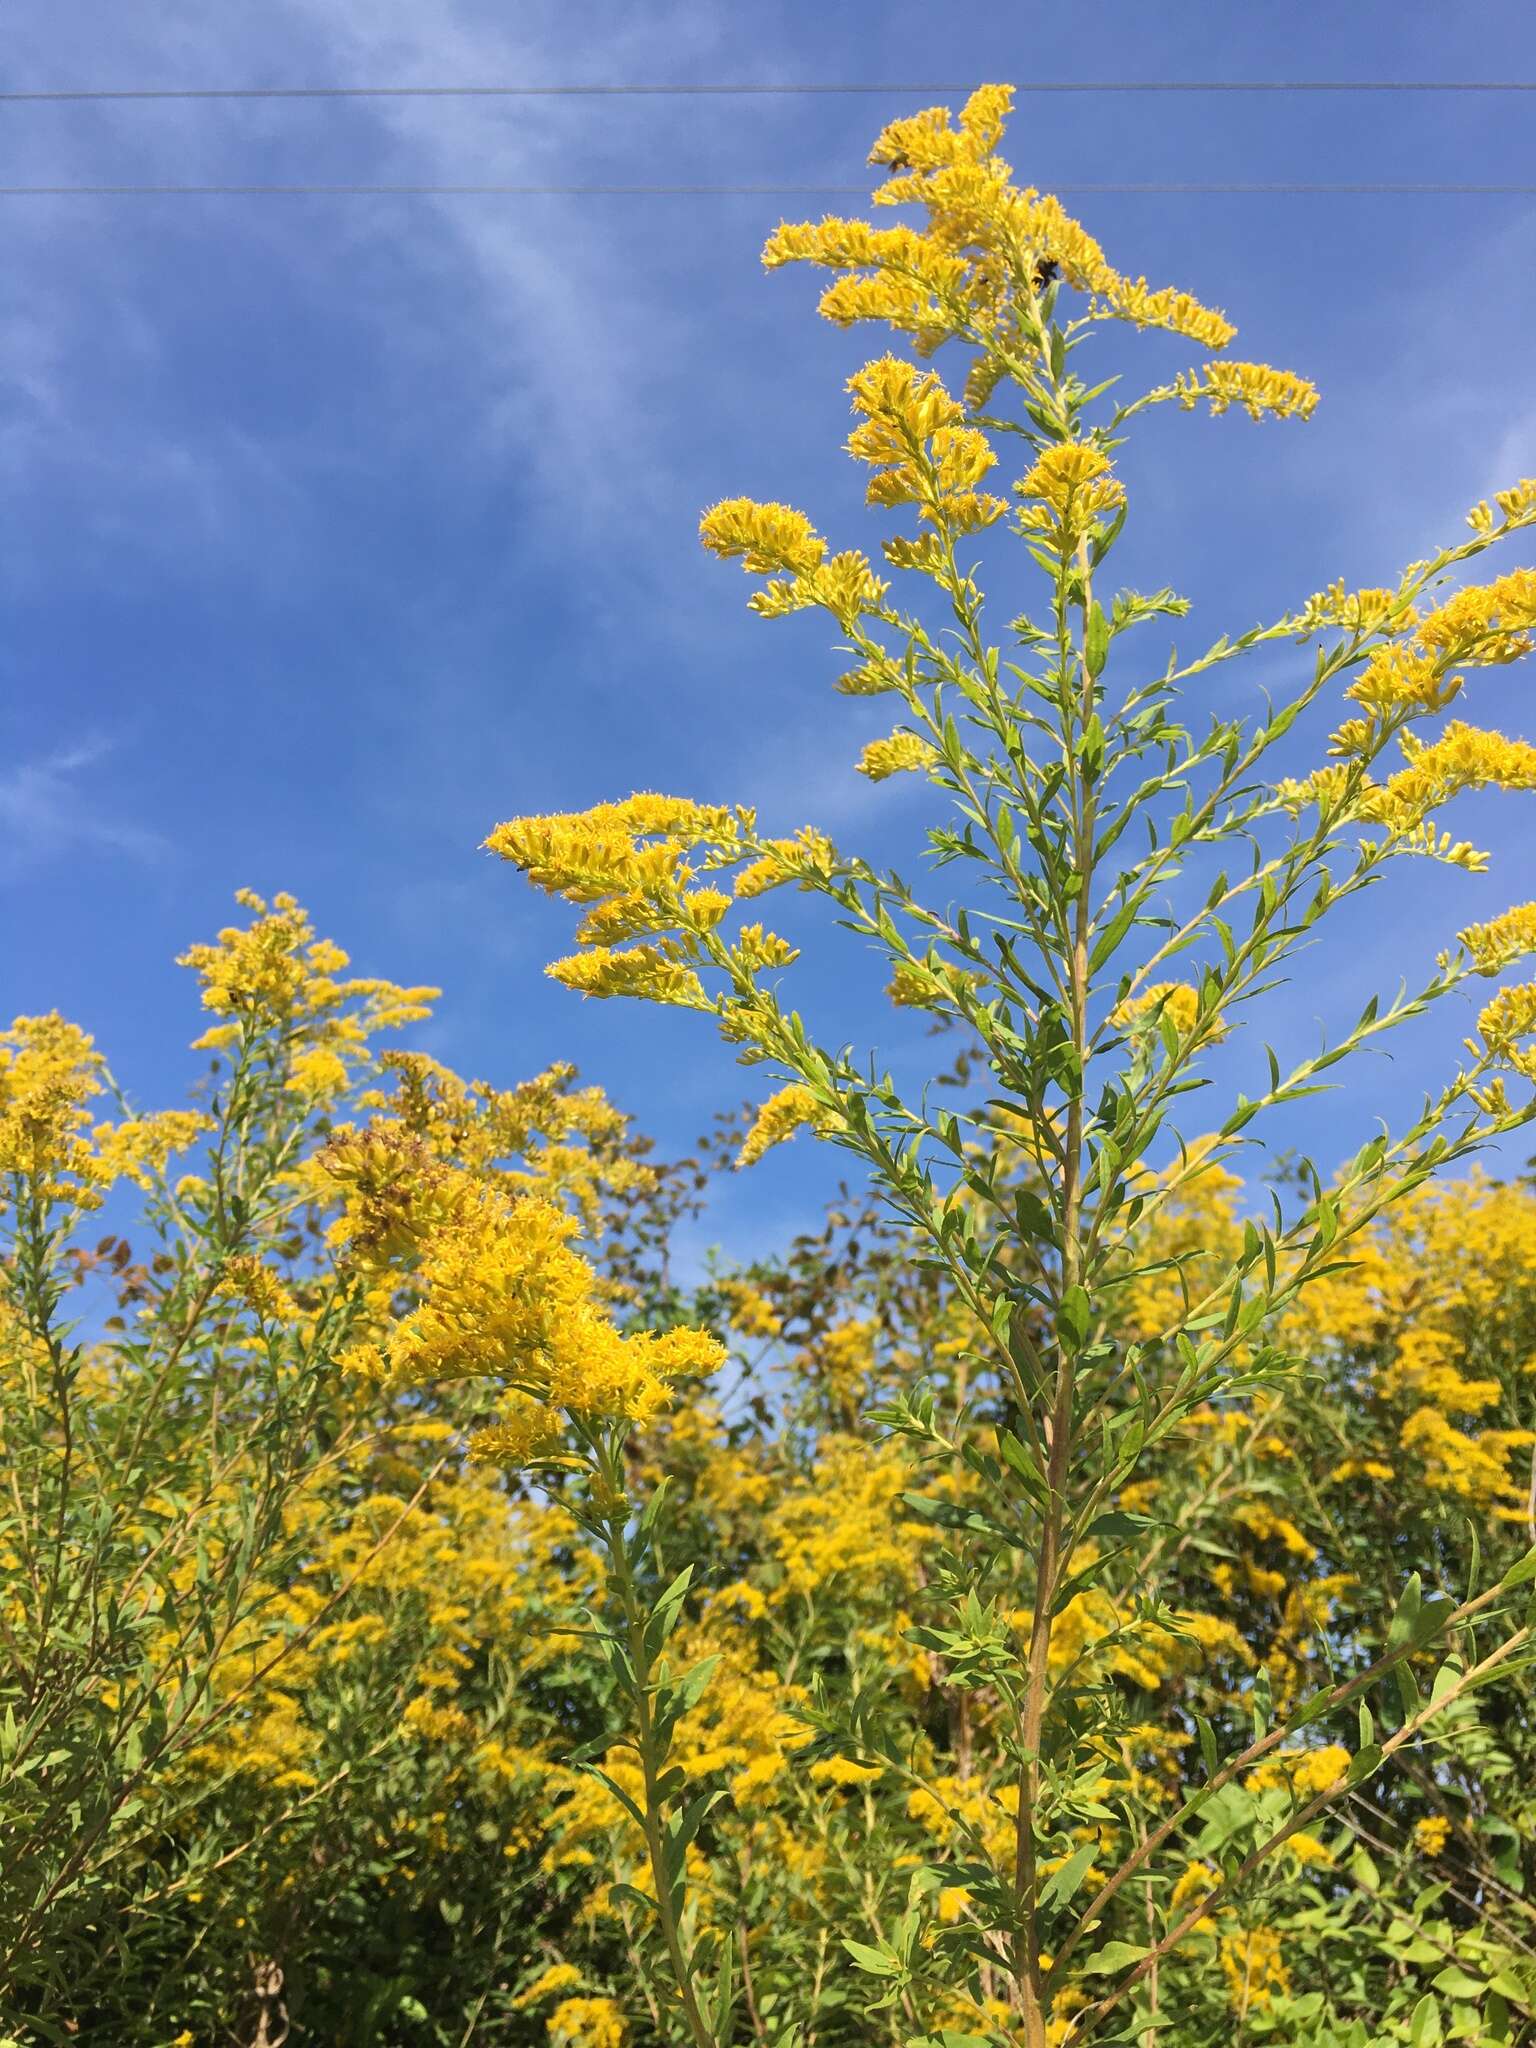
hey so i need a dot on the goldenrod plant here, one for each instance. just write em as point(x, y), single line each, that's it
point(1078, 1593)
point(1124, 870)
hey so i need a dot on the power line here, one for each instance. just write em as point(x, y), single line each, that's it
point(1274, 189)
point(495, 91)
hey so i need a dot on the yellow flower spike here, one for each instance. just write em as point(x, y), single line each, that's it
point(757, 949)
point(1175, 1000)
point(810, 854)
point(900, 753)
point(526, 1432)
point(260, 1287)
point(1486, 623)
point(929, 986)
point(274, 975)
point(1065, 474)
point(845, 585)
point(615, 849)
point(1506, 1021)
point(1431, 1834)
point(901, 406)
point(587, 2023)
point(792, 1109)
point(1253, 385)
point(1496, 944)
point(1397, 678)
point(1073, 484)
point(618, 918)
point(140, 1147)
point(1361, 611)
point(1174, 310)
point(500, 1293)
point(1518, 504)
point(765, 537)
point(1463, 757)
point(1253, 1962)
point(648, 972)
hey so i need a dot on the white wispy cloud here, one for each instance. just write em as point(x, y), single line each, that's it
point(51, 807)
point(499, 318)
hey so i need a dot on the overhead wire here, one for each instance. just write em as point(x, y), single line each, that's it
point(527, 191)
point(790, 89)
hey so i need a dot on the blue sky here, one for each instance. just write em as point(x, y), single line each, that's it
point(334, 530)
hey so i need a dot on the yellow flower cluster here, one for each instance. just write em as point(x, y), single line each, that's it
point(1463, 757)
point(525, 1432)
point(275, 977)
point(1482, 625)
point(1515, 507)
point(1361, 611)
point(633, 848)
point(629, 862)
point(911, 433)
point(1475, 1468)
point(1177, 1001)
point(792, 1109)
point(587, 2023)
point(848, 1524)
point(558, 1977)
point(260, 1287)
point(808, 855)
point(568, 1139)
point(500, 1293)
point(1133, 300)
point(1494, 945)
point(1253, 1963)
point(1255, 386)
point(1506, 1024)
point(138, 1148)
point(930, 985)
point(744, 1724)
point(1485, 623)
point(1396, 679)
point(990, 1812)
point(987, 244)
point(1073, 483)
point(49, 1071)
point(1431, 1834)
point(899, 753)
point(769, 537)
point(654, 973)
point(1303, 1772)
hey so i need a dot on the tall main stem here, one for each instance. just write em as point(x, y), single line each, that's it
point(1029, 1975)
point(652, 1764)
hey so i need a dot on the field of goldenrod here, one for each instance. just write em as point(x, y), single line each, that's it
point(1079, 1593)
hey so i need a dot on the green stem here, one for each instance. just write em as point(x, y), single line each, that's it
point(652, 1760)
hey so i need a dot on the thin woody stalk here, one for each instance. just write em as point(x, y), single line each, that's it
point(636, 1619)
point(1074, 587)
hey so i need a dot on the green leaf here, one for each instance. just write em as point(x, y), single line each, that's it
point(1207, 1745)
point(1096, 646)
point(1457, 1984)
point(1114, 1955)
point(879, 1962)
point(1074, 1317)
point(1424, 2027)
point(1405, 1620)
point(1364, 1762)
point(1061, 1885)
